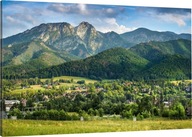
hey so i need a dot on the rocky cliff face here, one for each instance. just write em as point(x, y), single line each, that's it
point(83, 40)
point(90, 36)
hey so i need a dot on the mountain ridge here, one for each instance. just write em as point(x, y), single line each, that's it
point(142, 35)
point(7, 40)
point(52, 44)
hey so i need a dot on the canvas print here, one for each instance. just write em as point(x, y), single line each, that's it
point(86, 68)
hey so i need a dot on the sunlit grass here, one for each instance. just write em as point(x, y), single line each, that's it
point(32, 127)
point(75, 79)
point(176, 82)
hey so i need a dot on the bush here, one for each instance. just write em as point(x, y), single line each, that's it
point(177, 111)
point(156, 112)
point(75, 116)
point(91, 112)
point(146, 114)
point(165, 113)
point(28, 115)
point(173, 114)
point(62, 115)
point(140, 117)
point(101, 112)
point(126, 114)
point(84, 115)
point(16, 112)
point(53, 114)
point(81, 82)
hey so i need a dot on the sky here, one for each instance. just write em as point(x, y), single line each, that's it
point(18, 16)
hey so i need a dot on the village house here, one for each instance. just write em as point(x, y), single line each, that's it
point(167, 104)
point(10, 103)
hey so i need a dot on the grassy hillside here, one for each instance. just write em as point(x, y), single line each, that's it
point(32, 56)
point(30, 51)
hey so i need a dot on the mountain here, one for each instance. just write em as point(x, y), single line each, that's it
point(106, 55)
point(119, 62)
point(83, 40)
point(142, 35)
point(112, 63)
point(55, 43)
point(31, 56)
point(112, 39)
point(29, 51)
point(89, 36)
point(57, 36)
point(154, 51)
point(185, 36)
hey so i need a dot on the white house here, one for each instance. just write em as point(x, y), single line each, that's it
point(10, 103)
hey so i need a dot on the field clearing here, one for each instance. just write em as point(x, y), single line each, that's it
point(75, 79)
point(35, 88)
point(178, 81)
point(32, 89)
point(68, 84)
point(32, 127)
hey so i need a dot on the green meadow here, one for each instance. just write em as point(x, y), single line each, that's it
point(40, 127)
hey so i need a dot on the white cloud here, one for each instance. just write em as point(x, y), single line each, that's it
point(83, 9)
point(177, 16)
point(109, 10)
point(69, 9)
point(59, 8)
point(174, 18)
point(88, 10)
point(110, 24)
point(21, 19)
point(10, 19)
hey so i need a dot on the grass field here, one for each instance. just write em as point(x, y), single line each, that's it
point(178, 81)
point(75, 79)
point(32, 127)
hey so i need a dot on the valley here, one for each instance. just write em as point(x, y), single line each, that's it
point(67, 100)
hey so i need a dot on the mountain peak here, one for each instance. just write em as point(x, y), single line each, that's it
point(142, 29)
point(85, 24)
point(84, 29)
point(47, 27)
point(57, 23)
point(112, 35)
point(141, 35)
